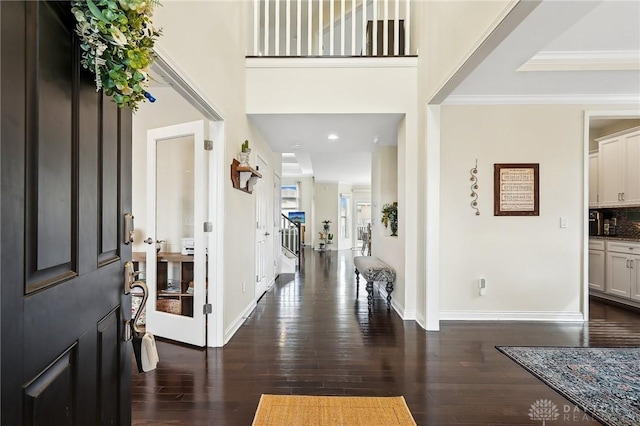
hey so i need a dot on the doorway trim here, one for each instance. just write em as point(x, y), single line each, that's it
point(588, 116)
point(185, 87)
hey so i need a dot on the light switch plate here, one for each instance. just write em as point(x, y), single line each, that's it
point(563, 222)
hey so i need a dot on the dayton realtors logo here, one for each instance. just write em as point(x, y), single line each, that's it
point(544, 410)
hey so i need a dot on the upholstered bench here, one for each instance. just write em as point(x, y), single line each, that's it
point(373, 269)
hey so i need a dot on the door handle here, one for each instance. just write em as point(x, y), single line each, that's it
point(149, 240)
point(266, 234)
point(129, 276)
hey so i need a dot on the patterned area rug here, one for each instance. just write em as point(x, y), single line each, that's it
point(604, 382)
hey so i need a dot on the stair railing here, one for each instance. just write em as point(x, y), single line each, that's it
point(290, 236)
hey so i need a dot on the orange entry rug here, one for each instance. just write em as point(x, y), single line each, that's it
point(289, 410)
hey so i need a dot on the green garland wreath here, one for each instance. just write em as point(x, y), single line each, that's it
point(117, 38)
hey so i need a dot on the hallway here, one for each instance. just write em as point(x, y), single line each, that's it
point(312, 336)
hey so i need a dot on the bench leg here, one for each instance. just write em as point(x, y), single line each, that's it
point(357, 282)
point(370, 294)
point(389, 289)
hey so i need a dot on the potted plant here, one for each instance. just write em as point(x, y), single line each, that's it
point(390, 217)
point(244, 153)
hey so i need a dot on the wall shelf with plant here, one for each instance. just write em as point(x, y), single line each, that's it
point(243, 176)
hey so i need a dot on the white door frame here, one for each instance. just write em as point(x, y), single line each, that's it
point(183, 85)
point(588, 116)
point(261, 284)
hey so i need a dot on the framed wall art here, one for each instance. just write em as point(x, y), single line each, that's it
point(516, 190)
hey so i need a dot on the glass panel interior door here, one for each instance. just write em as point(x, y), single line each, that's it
point(176, 256)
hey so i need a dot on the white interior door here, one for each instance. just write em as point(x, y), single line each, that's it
point(176, 212)
point(262, 232)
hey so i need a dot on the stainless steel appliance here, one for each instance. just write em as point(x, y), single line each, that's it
point(595, 223)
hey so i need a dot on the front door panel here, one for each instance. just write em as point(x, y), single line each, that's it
point(66, 179)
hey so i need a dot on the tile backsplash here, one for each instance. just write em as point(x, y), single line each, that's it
point(628, 220)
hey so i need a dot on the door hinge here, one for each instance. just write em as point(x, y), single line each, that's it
point(208, 145)
point(257, 278)
point(208, 227)
point(207, 309)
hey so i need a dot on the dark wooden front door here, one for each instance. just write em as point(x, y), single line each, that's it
point(66, 179)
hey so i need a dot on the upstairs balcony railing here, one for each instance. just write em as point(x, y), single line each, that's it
point(303, 28)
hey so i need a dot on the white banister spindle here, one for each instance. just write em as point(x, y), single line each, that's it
point(407, 28)
point(331, 26)
point(266, 27)
point(320, 27)
point(364, 28)
point(299, 29)
point(277, 28)
point(342, 25)
point(374, 41)
point(287, 47)
point(256, 26)
point(353, 27)
point(385, 29)
point(396, 29)
point(309, 27)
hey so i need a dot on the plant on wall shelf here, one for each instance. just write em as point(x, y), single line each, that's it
point(390, 217)
point(245, 146)
point(116, 39)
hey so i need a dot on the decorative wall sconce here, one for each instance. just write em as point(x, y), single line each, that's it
point(474, 188)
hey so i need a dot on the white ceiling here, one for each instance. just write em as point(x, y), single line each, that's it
point(595, 44)
point(575, 52)
point(347, 159)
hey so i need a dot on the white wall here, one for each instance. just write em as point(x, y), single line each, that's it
point(445, 34)
point(326, 203)
point(384, 189)
point(211, 52)
point(532, 266)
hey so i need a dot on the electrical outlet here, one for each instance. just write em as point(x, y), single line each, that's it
point(244, 286)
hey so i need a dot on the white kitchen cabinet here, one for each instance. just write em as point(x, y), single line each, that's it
point(619, 168)
point(635, 277)
point(593, 179)
point(596, 270)
point(618, 277)
point(622, 269)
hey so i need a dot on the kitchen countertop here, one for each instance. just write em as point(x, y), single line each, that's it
point(608, 238)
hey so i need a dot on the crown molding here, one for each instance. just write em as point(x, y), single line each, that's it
point(592, 99)
point(597, 60)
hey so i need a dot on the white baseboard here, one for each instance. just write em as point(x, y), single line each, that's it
point(421, 320)
point(237, 323)
point(404, 314)
point(510, 316)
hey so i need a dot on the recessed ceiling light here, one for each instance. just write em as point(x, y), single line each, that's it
point(296, 146)
point(376, 139)
point(333, 137)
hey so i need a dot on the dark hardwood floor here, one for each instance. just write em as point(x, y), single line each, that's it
point(311, 336)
